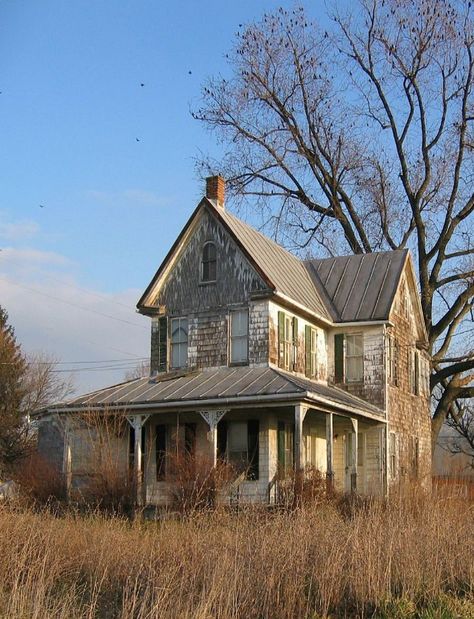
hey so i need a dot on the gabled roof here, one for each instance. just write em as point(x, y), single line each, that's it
point(360, 287)
point(219, 387)
point(282, 271)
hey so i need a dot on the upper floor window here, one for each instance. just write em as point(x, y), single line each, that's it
point(287, 341)
point(239, 336)
point(349, 357)
point(354, 358)
point(392, 360)
point(179, 342)
point(209, 263)
point(311, 351)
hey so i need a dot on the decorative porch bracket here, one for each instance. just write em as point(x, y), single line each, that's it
point(212, 418)
point(137, 422)
point(355, 448)
point(300, 414)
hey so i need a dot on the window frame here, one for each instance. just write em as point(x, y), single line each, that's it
point(173, 344)
point(238, 337)
point(206, 261)
point(348, 379)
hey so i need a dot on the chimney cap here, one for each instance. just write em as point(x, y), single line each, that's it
point(215, 189)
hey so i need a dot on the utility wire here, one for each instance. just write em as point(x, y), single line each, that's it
point(85, 309)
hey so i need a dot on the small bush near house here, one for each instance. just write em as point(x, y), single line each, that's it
point(411, 557)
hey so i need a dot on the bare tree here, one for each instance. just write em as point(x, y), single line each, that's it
point(360, 139)
point(44, 383)
point(140, 371)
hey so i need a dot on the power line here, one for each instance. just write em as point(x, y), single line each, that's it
point(85, 309)
point(63, 283)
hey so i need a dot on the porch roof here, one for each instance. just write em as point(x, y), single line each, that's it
point(218, 387)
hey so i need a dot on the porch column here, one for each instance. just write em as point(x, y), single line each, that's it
point(212, 418)
point(137, 422)
point(330, 450)
point(355, 444)
point(300, 414)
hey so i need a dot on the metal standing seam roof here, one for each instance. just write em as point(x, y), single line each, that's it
point(215, 384)
point(288, 274)
point(359, 287)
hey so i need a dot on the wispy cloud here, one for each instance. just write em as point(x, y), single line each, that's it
point(18, 230)
point(31, 258)
point(128, 197)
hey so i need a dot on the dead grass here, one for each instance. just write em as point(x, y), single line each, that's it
point(411, 558)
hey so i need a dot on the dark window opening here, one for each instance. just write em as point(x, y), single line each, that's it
point(160, 451)
point(209, 263)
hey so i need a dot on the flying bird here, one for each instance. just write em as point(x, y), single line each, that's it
point(141, 84)
point(41, 205)
point(190, 72)
point(137, 139)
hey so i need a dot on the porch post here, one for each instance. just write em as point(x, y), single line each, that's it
point(329, 451)
point(300, 414)
point(355, 444)
point(212, 418)
point(137, 422)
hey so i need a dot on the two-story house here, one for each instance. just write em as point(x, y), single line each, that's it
point(271, 363)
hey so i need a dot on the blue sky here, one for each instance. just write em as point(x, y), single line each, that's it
point(87, 212)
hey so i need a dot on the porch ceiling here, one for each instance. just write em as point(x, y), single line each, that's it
point(218, 386)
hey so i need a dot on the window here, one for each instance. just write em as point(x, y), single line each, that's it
point(287, 341)
point(238, 443)
point(209, 263)
point(414, 456)
point(392, 360)
point(160, 451)
point(239, 336)
point(414, 371)
point(354, 358)
point(392, 454)
point(286, 441)
point(311, 352)
point(179, 342)
point(317, 453)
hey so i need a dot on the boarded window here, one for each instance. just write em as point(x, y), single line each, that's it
point(354, 358)
point(209, 263)
point(239, 336)
point(179, 342)
point(311, 351)
point(160, 451)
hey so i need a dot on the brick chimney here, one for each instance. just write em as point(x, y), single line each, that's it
point(215, 189)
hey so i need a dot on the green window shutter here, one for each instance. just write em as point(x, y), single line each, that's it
point(163, 344)
point(253, 448)
point(281, 337)
point(307, 351)
point(339, 358)
point(295, 331)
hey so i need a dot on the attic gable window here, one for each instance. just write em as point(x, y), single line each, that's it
point(209, 263)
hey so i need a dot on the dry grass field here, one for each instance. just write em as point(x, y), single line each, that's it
point(411, 558)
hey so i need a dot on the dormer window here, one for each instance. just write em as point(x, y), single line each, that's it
point(208, 263)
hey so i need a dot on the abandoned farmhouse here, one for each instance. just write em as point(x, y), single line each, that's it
point(269, 362)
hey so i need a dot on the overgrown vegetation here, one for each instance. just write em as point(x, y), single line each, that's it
point(333, 559)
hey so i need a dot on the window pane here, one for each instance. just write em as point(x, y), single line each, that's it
point(179, 342)
point(239, 336)
point(354, 368)
point(237, 449)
